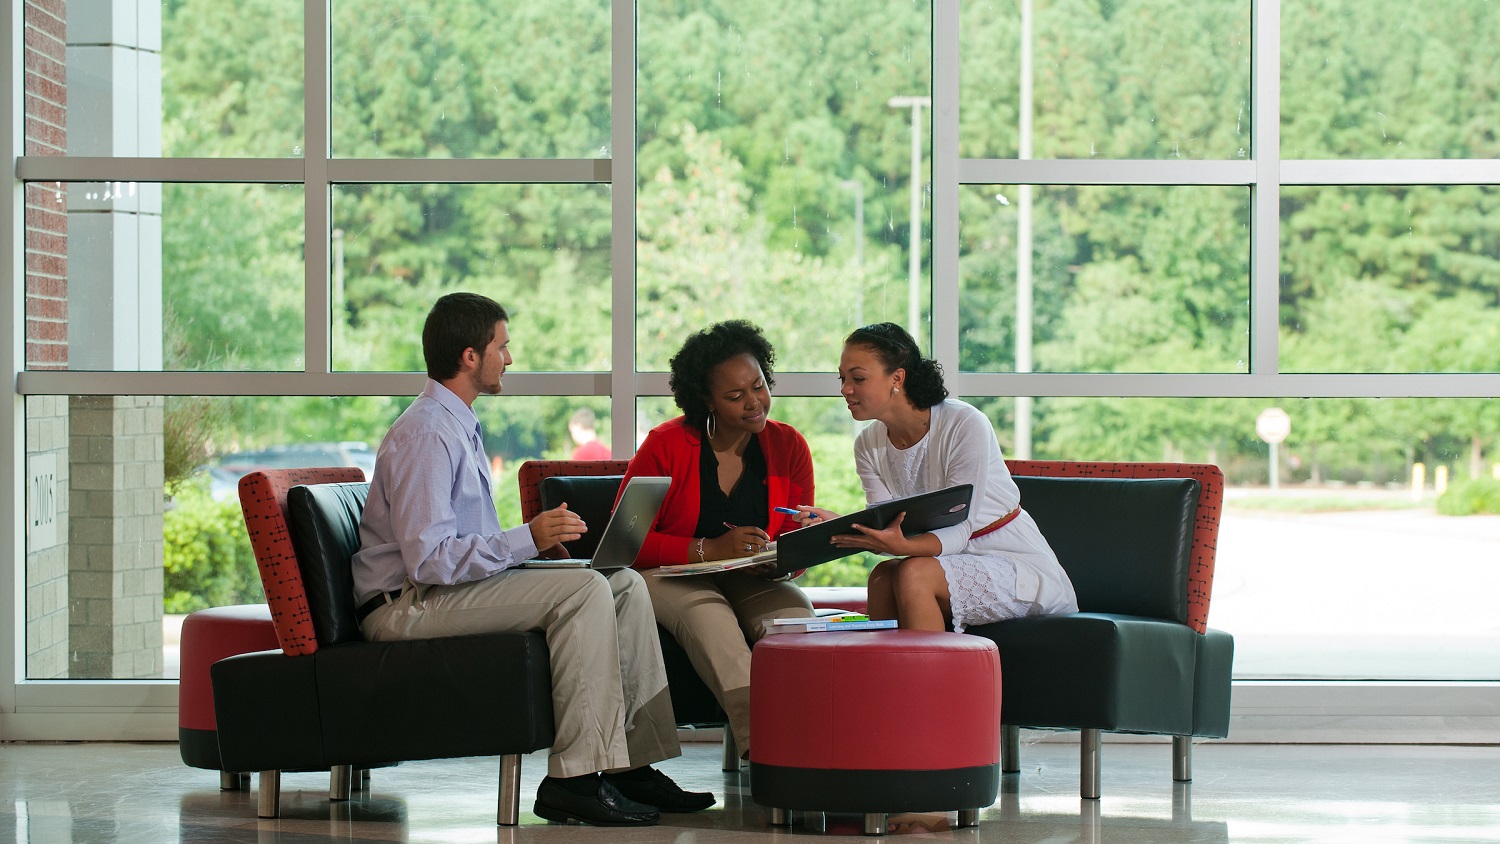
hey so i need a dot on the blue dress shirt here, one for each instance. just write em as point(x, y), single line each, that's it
point(430, 515)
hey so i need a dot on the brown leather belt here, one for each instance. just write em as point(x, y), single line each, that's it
point(996, 524)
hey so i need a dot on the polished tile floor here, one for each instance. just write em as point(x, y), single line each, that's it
point(94, 792)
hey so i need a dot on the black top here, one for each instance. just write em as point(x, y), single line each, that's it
point(748, 504)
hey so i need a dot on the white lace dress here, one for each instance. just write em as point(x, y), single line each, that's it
point(1008, 573)
point(982, 580)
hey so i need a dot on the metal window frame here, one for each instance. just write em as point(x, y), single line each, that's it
point(84, 709)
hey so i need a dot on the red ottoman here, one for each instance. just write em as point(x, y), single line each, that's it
point(207, 637)
point(875, 722)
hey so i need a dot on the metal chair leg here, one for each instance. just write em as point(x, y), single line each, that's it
point(509, 811)
point(781, 817)
point(364, 779)
point(1088, 764)
point(731, 751)
point(1010, 749)
point(339, 782)
point(233, 781)
point(968, 817)
point(1182, 758)
point(268, 803)
point(874, 823)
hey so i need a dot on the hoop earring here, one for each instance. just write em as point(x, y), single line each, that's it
point(712, 426)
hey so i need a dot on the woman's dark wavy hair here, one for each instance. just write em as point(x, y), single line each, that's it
point(707, 349)
point(897, 350)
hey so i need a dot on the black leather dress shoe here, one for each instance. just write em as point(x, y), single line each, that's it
point(605, 807)
point(652, 787)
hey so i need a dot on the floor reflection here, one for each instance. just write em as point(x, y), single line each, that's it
point(84, 793)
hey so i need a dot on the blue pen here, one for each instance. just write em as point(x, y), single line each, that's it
point(787, 510)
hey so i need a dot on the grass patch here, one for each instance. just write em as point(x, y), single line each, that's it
point(1470, 497)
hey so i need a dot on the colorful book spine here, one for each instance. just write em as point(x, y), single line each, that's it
point(833, 626)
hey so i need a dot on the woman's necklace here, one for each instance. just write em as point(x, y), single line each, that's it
point(907, 436)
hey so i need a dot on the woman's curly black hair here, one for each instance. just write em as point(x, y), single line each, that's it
point(707, 349)
point(897, 350)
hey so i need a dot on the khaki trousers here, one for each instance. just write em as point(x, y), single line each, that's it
point(609, 689)
point(716, 618)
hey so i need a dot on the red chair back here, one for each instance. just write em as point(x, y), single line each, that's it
point(531, 473)
point(263, 500)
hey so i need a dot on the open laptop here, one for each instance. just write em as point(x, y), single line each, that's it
point(626, 532)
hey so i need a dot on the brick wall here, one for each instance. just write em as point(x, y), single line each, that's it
point(47, 422)
point(46, 209)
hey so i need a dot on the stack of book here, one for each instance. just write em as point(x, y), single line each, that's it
point(829, 624)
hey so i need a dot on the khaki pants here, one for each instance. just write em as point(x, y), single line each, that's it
point(716, 618)
point(609, 690)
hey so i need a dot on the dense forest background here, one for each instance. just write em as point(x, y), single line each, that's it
point(763, 131)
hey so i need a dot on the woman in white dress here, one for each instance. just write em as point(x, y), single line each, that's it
point(994, 566)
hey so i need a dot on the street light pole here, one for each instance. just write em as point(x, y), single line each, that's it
point(1024, 245)
point(338, 318)
point(859, 247)
point(914, 265)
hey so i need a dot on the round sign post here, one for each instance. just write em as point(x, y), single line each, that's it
point(1273, 425)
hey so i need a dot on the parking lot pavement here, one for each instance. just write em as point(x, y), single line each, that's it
point(1372, 594)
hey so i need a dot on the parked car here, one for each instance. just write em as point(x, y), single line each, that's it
point(224, 477)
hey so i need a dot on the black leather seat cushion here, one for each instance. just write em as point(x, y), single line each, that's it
point(1109, 672)
point(373, 703)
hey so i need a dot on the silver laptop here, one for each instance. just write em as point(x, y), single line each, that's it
point(626, 532)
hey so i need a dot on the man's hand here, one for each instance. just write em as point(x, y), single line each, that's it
point(556, 525)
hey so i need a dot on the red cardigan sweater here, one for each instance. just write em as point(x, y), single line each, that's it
point(672, 450)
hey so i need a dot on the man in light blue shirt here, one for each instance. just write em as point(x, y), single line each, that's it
point(434, 561)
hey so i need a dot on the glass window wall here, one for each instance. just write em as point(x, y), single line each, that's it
point(193, 262)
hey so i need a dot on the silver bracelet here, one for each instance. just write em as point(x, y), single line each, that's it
point(700, 550)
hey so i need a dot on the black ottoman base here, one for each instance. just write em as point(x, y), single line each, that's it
point(813, 789)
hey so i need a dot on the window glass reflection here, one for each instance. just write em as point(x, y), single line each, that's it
point(776, 173)
point(1390, 279)
point(1314, 576)
point(149, 277)
point(1156, 80)
point(1112, 279)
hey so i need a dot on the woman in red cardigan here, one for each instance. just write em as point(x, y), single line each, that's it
point(730, 467)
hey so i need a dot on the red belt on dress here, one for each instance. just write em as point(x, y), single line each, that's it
point(996, 524)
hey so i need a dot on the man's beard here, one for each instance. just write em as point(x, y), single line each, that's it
point(488, 389)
